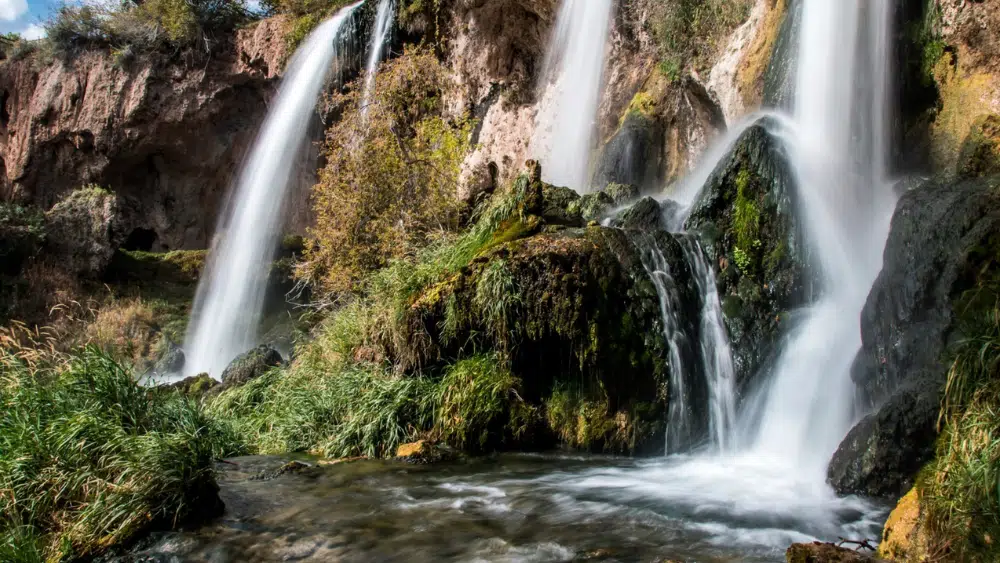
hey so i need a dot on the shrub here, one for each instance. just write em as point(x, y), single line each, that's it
point(89, 458)
point(388, 188)
point(691, 32)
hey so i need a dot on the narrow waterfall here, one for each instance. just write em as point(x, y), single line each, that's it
point(679, 414)
point(570, 93)
point(839, 150)
point(714, 348)
point(229, 302)
point(380, 39)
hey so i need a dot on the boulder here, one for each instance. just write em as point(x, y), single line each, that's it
point(904, 537)
point(251, 365)
point(85, 229)
point(172, 360)
point(633, 156)
point(944, 239)
point(746, 220)
point(197, 386)
point(423, 451)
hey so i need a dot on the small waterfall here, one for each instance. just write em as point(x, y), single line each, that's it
point(380, 39)
point(570, 93)
point(230, 297)
point(713, 344)
point(680, 422)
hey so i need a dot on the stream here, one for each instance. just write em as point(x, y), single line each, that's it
point(517, 507)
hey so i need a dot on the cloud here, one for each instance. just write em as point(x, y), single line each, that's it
point(10, 10)
point(33, 31)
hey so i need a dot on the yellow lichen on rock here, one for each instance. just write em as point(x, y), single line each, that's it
point(966, 95)
point(903, 538)
point(750, 74)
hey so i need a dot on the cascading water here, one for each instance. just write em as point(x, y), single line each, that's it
point(768, 488)
point(570, 93)
point(230, 296)
point(380, 39)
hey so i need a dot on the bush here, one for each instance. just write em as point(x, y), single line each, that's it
point(89, 458)
point(145, 25)
point(691, 32)
point(388, 187)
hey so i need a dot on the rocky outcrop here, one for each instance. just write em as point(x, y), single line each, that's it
point(167, 132)
point(664, 130)
point(85, 229)
point(943, 238)
point(746, 219)
point(817, 552)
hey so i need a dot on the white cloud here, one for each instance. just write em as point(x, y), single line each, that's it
point(10, 10)
point(33, 31)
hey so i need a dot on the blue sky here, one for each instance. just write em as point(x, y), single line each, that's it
point(25, 16)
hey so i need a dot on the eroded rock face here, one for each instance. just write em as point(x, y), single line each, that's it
point(746, 218)
point(942, 237)
point(168, 134)
point(84, 230)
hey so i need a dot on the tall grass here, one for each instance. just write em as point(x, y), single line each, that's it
point(89, 458)
point(960, 489)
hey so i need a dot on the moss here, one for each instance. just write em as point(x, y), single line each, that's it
point(902, 536)
point(746, 222)
point(174, 267)
point(732, 306)
point(964, 96)
point(643, 104)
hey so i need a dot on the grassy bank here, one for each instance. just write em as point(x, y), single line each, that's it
point(90, 459)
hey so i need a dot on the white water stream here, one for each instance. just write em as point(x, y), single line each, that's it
point(230, 297)
point(380, 40)
point(570, 93)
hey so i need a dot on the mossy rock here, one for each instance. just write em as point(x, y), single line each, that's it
point(817, 552)
point(574, 307)
point(196, 386)
point(182, 267)
point(980, 152)
point(745, 218)
point(251, 365)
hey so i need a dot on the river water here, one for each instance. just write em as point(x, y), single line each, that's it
point(520, 507)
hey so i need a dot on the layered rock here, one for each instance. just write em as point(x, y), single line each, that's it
point(167, 132)
point(944, 237)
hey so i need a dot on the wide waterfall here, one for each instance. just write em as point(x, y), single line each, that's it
point(380, 40)
point(570, 93)
point(230, 298)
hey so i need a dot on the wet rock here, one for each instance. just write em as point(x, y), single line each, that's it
point(780, 75)
point(251, 365)
point(817, 552)
point(903, 537)
point(292, 467)
point(633, 156)
point(172, 360)
point(424, 451)
point(746, 219)
point(944, 239)
point(561, 206)
point(646, 215)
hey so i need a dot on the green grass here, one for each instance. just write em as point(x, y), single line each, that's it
point(90, 459)
point(960, 489)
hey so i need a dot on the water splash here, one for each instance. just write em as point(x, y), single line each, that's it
point(380, 40)
point(230, 297)
point(570, 93)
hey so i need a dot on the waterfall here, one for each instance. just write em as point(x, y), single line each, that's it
point(713, 345)
point(230, 297)
point(570, 93)
point(838, 150)
point(679, 411)
point(380, 39)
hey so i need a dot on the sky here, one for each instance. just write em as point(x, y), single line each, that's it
point(25, 16)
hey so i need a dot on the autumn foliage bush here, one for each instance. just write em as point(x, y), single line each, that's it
point(391, 174)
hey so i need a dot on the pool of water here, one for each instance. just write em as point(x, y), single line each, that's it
point(518, 508)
